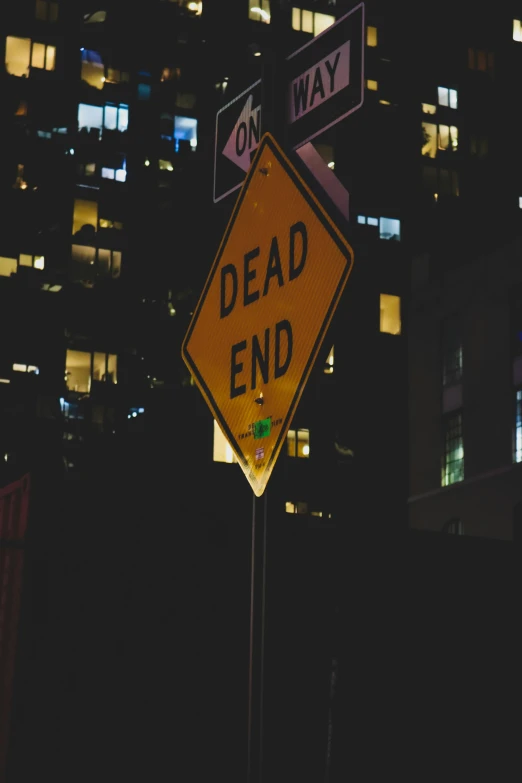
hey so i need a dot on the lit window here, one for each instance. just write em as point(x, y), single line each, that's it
point(104, 367)
point(194, 7)
point(371, 84)
point(185, 129)
point(115, 76)
point(106, 223)
point(361, 219)
point(452, 353)
point(429, 139)
point(517, 30)
point(517, 454)
point(90, 116)
point(111, 117)
point(371, 36)
point(94, 18)
point(448, 137)
point(46, 11)
point(17, 55)
point(32, 369)
point(373, 221)
point(520, 202)
point(429, 108)
point(329, 364)
point(447, 97)
point(21, 54)
point(116, 117)
point(38, 262)
point(299, 507)
point(109, 261)
point(165, 165)
point(8, 266)
point(311, 21)
point(22, 109)
point(43, 56)
point(438, 137)
point(259, 10)
point(93, 70)
point(222, 449)
point(78, 371)
point(85, 216)
point(89, 262)
point(322, 22)
point(390, 322)
point(82, 367)
point(389, 228)
point(453, 456)
point(298, 442)
point(120, 175)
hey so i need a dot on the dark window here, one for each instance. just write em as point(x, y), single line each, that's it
point(452, 354)
point(516, 324)
point(453, 455)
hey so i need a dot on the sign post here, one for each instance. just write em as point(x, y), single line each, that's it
point(278, 275)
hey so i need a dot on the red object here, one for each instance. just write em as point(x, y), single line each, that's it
point(14, 505)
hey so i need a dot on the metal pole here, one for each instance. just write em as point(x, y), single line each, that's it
point(257, 641)
point(263, 610)
point(251, 658)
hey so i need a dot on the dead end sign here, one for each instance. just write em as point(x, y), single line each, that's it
point(269, 298)
point(325, 78)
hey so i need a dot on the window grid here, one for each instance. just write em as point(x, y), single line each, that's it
point(453, 456)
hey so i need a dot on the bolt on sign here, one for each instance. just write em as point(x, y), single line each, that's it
point(269, 298)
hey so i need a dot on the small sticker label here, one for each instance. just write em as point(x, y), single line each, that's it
point(260, 453)
point(262, 428)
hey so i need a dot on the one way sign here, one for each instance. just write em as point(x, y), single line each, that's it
point(238, 133)
point(325, 79)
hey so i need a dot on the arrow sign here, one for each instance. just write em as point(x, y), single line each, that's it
point(326, 72)
point(238, 133)
point(244, 138)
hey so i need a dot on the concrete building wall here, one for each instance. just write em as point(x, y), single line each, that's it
point(479, 295)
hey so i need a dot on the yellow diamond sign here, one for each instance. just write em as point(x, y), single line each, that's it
point(265, 308)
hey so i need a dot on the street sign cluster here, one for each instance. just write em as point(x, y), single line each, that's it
point(327, 73)
point(282, 264)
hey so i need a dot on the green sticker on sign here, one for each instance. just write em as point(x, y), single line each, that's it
point(262, 428)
